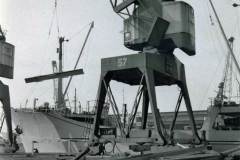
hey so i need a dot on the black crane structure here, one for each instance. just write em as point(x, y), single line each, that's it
point(154, 65)
point(2, 35)
point(6, 71)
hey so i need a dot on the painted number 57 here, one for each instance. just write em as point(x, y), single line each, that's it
point(121, 62)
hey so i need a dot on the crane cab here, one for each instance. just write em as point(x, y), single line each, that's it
point(165, 25)
point(6, 59)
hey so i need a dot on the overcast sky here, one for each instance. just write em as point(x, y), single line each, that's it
point(28, 21)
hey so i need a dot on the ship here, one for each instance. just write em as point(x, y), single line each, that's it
point(54, 128)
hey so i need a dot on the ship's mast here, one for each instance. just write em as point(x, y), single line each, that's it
point(226, 84)
point(55, 82)
point(75, 100)
point(60, 98)
point(228, 79)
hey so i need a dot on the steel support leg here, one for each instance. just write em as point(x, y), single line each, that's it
point(184, 89)
point(149, 75)
point(5, 99)
point(115, 109)
point(136, 104)
point(175, 118)
point(100, 103)
point(145, 106)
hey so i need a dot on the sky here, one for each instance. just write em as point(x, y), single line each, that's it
point(27, 24)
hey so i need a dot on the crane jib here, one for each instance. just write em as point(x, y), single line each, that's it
point(54, 75)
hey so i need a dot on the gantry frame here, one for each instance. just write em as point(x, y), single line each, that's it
point(156, 70)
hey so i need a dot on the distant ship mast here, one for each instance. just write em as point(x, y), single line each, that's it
point(228, 75)
point(225, 87)
point(231, 58)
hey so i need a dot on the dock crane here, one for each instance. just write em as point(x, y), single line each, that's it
point(7, 51)
point(154, 29)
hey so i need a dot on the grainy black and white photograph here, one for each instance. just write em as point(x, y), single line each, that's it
point(119, 80)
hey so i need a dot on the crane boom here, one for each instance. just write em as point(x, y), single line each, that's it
point(225, 38)
point(118, 8)
point(54, 75)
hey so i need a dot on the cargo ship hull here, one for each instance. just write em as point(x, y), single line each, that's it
point(49, 132)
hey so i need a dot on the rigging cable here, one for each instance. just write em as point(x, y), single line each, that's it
point(55, 15)
point(232, 57)
point(237, 31)
point(33, 88)
point(57, 21)
point(220, 59)
point(79, 56)
point(51, 23)
point(85, 65)
point(79, 31)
